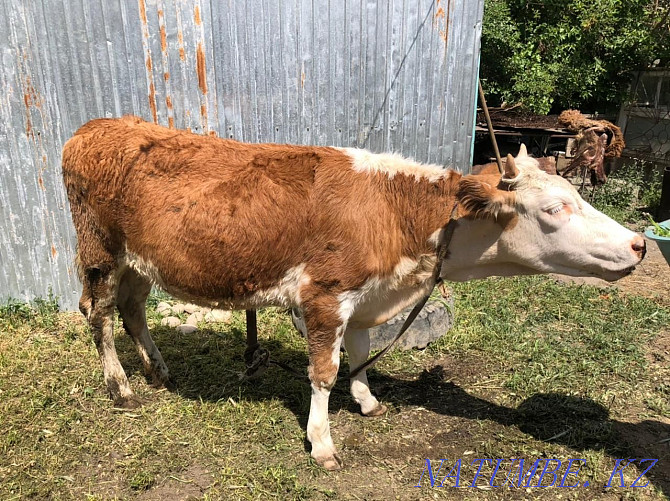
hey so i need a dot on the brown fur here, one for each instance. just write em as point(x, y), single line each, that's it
point(547, 164)
point(483, 196)
point(185, 202)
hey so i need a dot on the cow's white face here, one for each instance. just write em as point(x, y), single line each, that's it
point(527, 221)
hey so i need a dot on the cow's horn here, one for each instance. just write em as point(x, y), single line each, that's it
point(523, 152)
point(511, 171)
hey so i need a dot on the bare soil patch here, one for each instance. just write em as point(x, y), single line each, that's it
point(386, 457)
point(189, 484)
point(652, 278)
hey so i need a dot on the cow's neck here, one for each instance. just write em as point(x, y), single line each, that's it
point(423, 207)
point(419, 210)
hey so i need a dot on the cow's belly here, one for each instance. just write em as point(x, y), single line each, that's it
point(377, 301)
point(207, 291)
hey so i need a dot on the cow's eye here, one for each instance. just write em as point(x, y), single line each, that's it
point(554, 209)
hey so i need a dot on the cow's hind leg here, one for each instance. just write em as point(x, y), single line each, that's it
point(357, 344)
point(131, 302)
point(97, 303)
point(325, 330)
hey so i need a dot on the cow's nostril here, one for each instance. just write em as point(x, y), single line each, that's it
point(639, 246)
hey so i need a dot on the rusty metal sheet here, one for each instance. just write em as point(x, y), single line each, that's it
point(394, 75)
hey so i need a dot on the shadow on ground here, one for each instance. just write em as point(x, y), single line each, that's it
point(207, 366)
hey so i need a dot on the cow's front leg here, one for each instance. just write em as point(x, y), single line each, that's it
point(325, 330)
point(357, 344)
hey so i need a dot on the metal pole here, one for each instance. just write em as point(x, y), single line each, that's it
point(252, 336)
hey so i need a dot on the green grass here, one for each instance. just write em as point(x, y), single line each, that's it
point(538, 325)
point(628, 192)
point(528, 359)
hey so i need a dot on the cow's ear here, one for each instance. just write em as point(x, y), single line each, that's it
point(481, 199)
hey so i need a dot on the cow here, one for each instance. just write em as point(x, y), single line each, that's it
point(347, 236)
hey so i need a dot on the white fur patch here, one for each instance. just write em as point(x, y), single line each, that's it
point(144, 268)
point(402, 269)
point(318, 428)
point(392, 164)
point(287, 291)
point(335, 355)
point(351, 299)
point(434, 238)
point(380, 298)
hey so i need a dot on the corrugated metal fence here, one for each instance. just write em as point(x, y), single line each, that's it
point(383, 74)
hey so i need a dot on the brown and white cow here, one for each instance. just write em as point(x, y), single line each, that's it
point(346, 235)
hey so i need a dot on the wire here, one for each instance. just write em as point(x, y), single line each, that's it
point(397, 73)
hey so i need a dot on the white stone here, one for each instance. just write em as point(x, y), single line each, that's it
point(209, 318)
point(191, 308)
point(187, 329)
point(194, 318)
point(171, 321)
point(178, 308)
point(163, 307)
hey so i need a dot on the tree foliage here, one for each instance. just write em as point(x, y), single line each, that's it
point(562, 54)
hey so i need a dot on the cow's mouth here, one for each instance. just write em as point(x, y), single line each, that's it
point(627, 271)
point(613, 276)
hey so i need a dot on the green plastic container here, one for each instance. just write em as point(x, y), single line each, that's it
point(663, 242)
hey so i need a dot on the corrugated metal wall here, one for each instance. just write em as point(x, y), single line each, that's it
point(387, 75)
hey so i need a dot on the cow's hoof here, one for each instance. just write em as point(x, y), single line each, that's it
point(330, 463)
point(130, 402)
point(380, 410)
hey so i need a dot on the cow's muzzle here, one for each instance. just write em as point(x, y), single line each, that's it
point(639, 247)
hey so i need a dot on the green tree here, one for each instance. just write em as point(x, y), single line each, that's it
point(557, 54)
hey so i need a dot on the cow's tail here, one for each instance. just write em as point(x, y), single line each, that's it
point(95, 255)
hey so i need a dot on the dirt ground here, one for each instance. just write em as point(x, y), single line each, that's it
point(651, 278)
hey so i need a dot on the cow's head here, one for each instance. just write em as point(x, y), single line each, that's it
point(527, 221)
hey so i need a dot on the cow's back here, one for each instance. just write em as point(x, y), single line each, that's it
point(203, 216)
